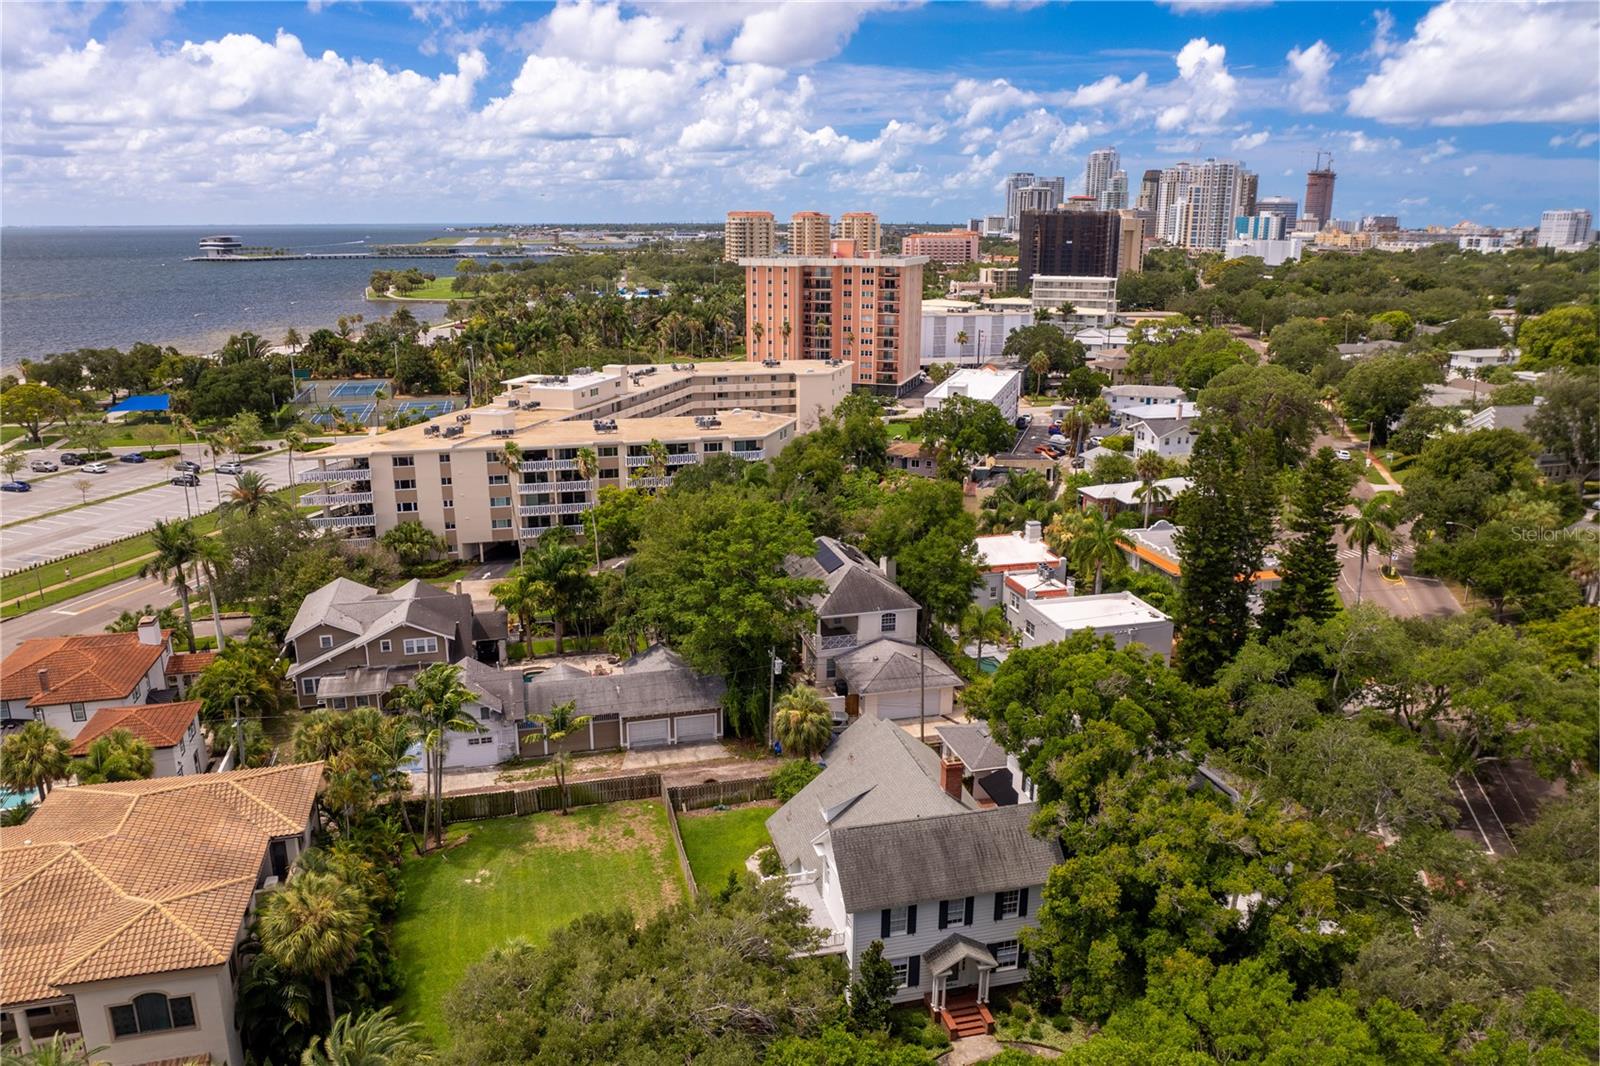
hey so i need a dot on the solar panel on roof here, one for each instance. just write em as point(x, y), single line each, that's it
point(830, 562)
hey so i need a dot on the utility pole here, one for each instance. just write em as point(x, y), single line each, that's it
point(238, 734)
point(772, 684)
point(922, 693)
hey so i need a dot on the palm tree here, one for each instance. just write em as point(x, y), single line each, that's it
point(1372, 526)
point(557, 569)
point(376, 1038)
point(801, 722)
point(984, 625)
point(115, 756)
point(211, 555)
point(1040, 365)
point(1148, 466)
point(34, 757)
point(758, 330)
point(433, 701)
point(177, 547)
point(560, 722)
point(657, 466)
point(961, 341)
point(313, 927)
point(250, 493)
point(294, 439)
point(1076, 423)
point(589, 470)
point(62, 1049)
point(520, 595)
point(1095, 545)
point(1585, 566)
point(511, 459)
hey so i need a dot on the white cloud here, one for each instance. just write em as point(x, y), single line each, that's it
point(1577, 139)
point(979, 101)
point(796, 34)
point(1309, 90)
point(1467, 172)
point(1206, 7)
point(1440, 149)
point(1108, 90)
point(1209, 89)
point(1383, 42)
point(1251, 141)
point(1360, 142)
point(1476, 63)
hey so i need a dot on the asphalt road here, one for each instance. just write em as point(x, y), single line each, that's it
point(45, 539)
point(93, 611)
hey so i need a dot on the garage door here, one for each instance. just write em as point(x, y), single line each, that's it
point(693, 727)
point(904, 704)
point(643, 734)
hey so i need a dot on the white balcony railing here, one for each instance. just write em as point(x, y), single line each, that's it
point(334, 499)
point(748, 454)
point(334, 473)
point(534, 466)
point(344, 521)
point(829, 642)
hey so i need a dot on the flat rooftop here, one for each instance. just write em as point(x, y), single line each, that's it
point(1012, 549)
point(980, 383)
point(564, 433)
point(1098, 612)
point(828, 260)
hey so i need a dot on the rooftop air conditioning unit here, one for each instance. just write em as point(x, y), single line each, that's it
point(769, 362)
point(513, 403)
point(464, 416)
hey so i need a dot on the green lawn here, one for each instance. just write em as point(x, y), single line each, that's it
point(523, 877)
point(437, 289)
point(719, 841)
point(899, 430)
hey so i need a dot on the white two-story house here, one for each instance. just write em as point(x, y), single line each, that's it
point(889, 844)
point(859, 605)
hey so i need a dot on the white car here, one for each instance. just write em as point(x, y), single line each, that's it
point(230, 468)
point(94, 468)
point(1342, 454)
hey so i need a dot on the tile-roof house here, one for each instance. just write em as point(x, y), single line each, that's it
point(61, 681)
point(122, 907)
point(351, 643)
point(651, 699)
point(185, 668)
point(888, 844)
point(860, 603)
point(173, 730)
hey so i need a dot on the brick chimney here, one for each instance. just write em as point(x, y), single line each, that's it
point(44, 679)
point(149, 630)
point(951, 770)
point(886, 565)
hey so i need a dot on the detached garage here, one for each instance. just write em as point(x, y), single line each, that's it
point(651, 700)
point(891, 682)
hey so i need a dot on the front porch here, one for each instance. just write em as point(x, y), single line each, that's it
point(961, 968)
point(40, 1024)
point(963, 1015)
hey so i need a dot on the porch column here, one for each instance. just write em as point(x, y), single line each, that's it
point(24, 1034)
point(938, 990)
point(983, 984)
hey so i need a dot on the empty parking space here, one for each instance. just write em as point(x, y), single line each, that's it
point(1494, 799)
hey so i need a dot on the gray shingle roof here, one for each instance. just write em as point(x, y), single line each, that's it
point(954, 948)
point(499, 690)
point(362, 681)
point(965, 854)
point(875, 772)
point(854, 583)
point(654, 683)
point(973, 745)
point(365, 613)
point(325, 607)
point(891, 666)
point(1162, 427)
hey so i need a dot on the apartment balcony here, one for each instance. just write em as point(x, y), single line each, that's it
point(749, 455)
point(334, 499)
point(537, 509)
point(345, 521)
point(535, 466)
point(681, 459)
point(334, 473)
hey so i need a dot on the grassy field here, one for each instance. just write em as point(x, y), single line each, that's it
point(437, 289)
point(719, 841)
point(523, 877)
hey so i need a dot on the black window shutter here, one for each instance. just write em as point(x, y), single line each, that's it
point(997, 906)
point(1022, 904)
point(1022, 957)
point(886, 923)
point(911, 921)
point(970, 901)
point(944, 913)
point(914, 971)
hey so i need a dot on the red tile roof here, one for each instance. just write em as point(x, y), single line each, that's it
point(101, 666)
point(162, 724)
point(190, 662)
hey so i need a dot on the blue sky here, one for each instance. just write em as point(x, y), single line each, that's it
point(388, 112)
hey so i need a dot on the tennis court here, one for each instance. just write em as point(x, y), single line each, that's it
point(352, 412)
point(425, 408)
point(349, 389)
point(306, 395)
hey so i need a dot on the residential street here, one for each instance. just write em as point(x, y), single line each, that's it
point(93, 611)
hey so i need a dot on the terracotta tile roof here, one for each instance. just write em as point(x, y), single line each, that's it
point(162, 724)
point(100, 666)
point(139, 877)
point(190, 662)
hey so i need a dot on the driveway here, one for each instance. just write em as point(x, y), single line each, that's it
point(647, 760)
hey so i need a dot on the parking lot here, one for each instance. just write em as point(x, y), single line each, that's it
point(28, 539)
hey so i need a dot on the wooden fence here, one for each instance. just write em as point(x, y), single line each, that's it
point(715, 793)
point(474, 806)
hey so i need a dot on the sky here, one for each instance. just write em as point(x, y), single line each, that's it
point(336, 111)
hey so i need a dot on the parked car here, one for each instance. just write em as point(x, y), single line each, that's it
point(71, 459)
point(94, 468)
point(43, 466)
point(186, 480)
point(188, 466)
point(1056, 438)
point(230, 468)
point(133, 457)
point(1095, 442)
point(1023, 420)
point(1077, 462)
point(15, 486)
point(1342, 454)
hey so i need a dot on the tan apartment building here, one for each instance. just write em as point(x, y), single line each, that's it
point(453, 475)
point(748, 233)
point(861, 227)
point(810, 233)
point(866, 312)
point(952, 247)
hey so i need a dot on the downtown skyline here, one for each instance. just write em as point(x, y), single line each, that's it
point(330, 112)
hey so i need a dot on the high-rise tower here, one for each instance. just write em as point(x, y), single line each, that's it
point(1319, 190)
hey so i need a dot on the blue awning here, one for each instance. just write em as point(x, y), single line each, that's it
point(133, 404)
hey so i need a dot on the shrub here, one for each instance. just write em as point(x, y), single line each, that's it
point(792, 776)
point(160, 453)
point(1118, 442)
point(768, 863)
